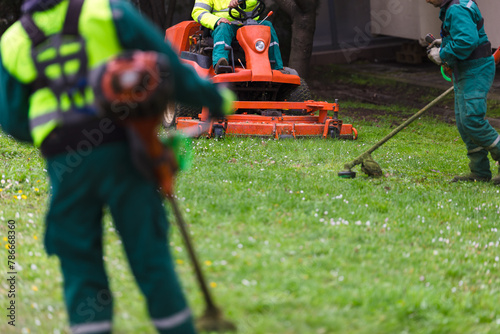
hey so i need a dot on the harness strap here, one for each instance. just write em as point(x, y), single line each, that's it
point(72, 17)
point(482, 51)
point(70, 27)
point(36, 35)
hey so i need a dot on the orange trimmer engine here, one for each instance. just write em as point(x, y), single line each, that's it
point(496, 55)
point(135, 82)
point(133, 89)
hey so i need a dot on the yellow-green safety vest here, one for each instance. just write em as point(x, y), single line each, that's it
point(208, 12)
point(95, 28)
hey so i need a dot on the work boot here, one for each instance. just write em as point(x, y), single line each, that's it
point(479, 166)
point(496, 179)
point(222, 66)
point(470, 178)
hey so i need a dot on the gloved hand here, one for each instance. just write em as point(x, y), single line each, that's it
point(223, 20)
point(234, 3)
point(433, 55)
point(435, 43)
point(228, 97)
point(181, 148)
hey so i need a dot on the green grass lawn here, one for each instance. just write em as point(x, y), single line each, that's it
point(290, 248)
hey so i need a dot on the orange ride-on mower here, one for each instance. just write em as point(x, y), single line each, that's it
point(269, 102)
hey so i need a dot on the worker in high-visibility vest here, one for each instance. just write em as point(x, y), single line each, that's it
point(214, 15)
point(465, 48)
point(45, 98)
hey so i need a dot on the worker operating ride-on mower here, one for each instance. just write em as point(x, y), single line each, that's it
point(270, 102)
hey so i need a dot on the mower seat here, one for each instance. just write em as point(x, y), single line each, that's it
point(202, 60)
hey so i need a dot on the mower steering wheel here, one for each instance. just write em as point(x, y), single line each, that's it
point(256, 12)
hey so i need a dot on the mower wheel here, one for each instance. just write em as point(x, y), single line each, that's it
point(174, 110)
point(169, 115)
point(334, 133)
point(218, 132)
point(292, 93)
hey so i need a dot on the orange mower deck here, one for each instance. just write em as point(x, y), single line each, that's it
point(279, 126)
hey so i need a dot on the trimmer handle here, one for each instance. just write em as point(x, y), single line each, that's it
point(429, 38)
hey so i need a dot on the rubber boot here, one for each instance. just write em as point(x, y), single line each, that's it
point(495, 154)
point(479, 166)
point(222, 66)
point(496, 179)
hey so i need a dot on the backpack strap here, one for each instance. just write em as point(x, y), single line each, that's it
point(36, 35)
point(72, 17)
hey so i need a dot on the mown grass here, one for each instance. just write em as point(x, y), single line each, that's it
point(290, 248)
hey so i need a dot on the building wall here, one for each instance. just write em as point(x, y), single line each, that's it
point(344, 34)
point(345, 24)
point(339, 22)
point(490, 11)
point(414, 19)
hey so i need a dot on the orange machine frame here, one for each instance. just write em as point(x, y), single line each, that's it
point(274, 126)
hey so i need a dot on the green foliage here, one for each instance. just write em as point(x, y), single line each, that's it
point(289, 247)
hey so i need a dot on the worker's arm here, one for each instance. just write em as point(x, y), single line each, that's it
point(202, 13)
point(14, 105)
point(134, 32)
point(464, 36)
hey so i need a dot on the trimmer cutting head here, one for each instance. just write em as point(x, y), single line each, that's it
point(347, 174)
point(213, 321)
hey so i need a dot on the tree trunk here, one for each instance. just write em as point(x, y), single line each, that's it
point(170, 13)
point(303, 15)
point(10, 11)
point(155, 11)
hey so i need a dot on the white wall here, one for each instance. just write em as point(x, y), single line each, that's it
point(490, 10)
point(413, 19)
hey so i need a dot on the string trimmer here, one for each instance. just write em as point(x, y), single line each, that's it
point(370, 166)
point(168, 159)
point(116, 87)
point(212, 319)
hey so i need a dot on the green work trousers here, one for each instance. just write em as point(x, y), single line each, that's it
point(83, 184)
point(473, 80)
point(224, 34)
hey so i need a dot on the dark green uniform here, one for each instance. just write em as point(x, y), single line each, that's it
point(466, 49)
point(89, 163)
